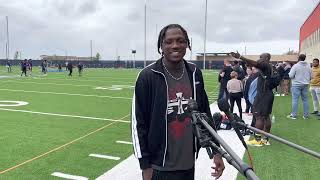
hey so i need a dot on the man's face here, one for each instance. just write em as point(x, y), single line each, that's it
point(249, 71)
point(174, 45)
point(254, 70)
point(315, 63)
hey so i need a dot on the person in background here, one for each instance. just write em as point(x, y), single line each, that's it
point(285, 84)
point(70, 68)
point(59, 67)
point(251, 75)
point(223, 78)
point(8, 65)
point(44, 67)
point(315, 86)
point(279, 68)
point(80, 68)
point(300, 75)
point(239, 69)
point(24, 65)
point(263, 101)
point(235, 89)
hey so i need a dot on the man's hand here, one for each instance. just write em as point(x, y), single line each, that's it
point(147, 174)
point(218, 166)
point(222, 74)
point(235, 55)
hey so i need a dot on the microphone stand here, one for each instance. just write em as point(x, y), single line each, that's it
point(235, 119)
point(206, 134)
point(281, 140)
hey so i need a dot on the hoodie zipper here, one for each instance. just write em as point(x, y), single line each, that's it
point(166, 117)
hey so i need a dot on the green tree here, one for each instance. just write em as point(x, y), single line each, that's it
point(98, 57)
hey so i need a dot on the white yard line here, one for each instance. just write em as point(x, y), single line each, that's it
point(203, 163)
point(123, 142)
point(68, 176)
point(105, 157)
point(64, 115)
point(68, 94)
point(56, 84)
point(82, 80)
point(25, 82)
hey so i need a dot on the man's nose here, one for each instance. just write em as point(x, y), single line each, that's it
point(174, 44)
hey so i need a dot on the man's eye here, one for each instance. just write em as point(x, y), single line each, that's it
point(182, 41)
point(167, 42)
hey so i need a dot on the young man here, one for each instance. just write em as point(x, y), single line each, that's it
point(80, 68)
point(8, 65)
point(44, 67)
point(263, 101)
point(315, 86)
point(162, 134)
point(24, 65)
point(70, 68)
point(300, 75)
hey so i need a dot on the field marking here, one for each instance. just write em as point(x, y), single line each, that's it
point(68, 176)
point(67, 94)
point(3, 77)
point(123, 142)
point(25, 82)
point(58, 148)
point(115, 87)
point(64, 115)
point(48, 83)
point(81, 80)
point(17, 103)
point(105, 157)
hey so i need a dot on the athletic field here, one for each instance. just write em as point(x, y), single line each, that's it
point(81, 126)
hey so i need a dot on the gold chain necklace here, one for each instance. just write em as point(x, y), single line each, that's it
point(178, 78)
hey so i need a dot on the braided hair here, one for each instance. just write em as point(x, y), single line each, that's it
point(163, 33)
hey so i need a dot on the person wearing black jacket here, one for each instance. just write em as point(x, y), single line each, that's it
point(223, 78)
point(263, 101)
point(70, 68)
point(162, 134)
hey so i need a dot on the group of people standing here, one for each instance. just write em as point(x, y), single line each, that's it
point(303, 78)
point(69, 67)
point(260, 80)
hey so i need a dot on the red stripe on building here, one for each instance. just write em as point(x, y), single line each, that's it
point(310, 25)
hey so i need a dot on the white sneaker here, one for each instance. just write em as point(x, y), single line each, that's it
point(291, 117)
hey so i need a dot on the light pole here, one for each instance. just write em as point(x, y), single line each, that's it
point(133, 51)
point(145, 33)
point(8, 46)
point(205, 36)
point(91, 50)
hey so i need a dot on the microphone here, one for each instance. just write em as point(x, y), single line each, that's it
point(192, 105)
point(198, 129)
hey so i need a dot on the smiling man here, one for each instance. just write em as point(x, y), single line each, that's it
point(161, 128)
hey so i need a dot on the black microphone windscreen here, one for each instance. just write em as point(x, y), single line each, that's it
point(192, 105)
point(223, 105)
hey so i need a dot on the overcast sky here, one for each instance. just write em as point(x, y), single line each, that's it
point(115, 26)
